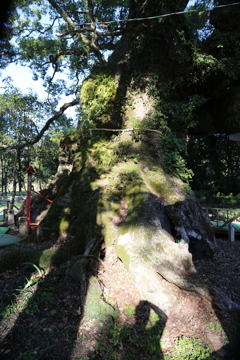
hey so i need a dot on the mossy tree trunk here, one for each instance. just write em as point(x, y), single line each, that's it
point(117, 196)
point(121, 191)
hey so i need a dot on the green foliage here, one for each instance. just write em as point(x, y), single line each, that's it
point(27, 355)
point(103, 155)
point(218, 199)
point(181, 72)
point(215, 326)
point(45, 158)
point(173, 150)
point(220, 159)
point(173, 118)
point(22, 303)
point(14, 257)
point(21, 117)
point(74, 52)
point(130, 311)
point(23, 297)
point(190, 349)
point(98, 94)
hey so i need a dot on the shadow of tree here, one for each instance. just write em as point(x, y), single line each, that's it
point(216, 274)
point(42, 320)
point(47, 323)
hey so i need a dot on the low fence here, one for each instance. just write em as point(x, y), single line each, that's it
point(224, 219)
point(5, 205)
point(18, 198)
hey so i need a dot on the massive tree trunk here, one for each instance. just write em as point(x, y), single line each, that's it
point(116, 193)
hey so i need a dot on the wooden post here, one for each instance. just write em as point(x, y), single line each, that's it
point(231, 232)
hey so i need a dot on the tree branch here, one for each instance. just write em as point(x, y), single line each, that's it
point(47, 124)
point(98, 33)
point(108, 46)
point(82, 37)
point(92, 19)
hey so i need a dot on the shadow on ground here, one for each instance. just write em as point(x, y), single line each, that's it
point(126, 342)
point(40, 312)
point(221, 277)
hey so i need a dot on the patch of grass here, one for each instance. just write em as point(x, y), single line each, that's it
point(24, 298)
point(190, 349)
point(130, 311)
point(34, 279)
point(127, 343)
point(27, 355)
point(47, 353)
point(214, 325)
point(21, 303)
point(153, 319)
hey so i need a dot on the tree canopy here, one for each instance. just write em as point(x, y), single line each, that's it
point(200, 49)
point(62, 36)
point(187, 58)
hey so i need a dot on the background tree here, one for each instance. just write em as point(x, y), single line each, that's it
point(21, 120)
point(215, 164)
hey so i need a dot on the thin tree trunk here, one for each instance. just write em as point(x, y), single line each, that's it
point(14, 182)
point(19, 172)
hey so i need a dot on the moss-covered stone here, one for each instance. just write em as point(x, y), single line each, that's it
point(96, 307)
point(55, 256)
point(103, 156)
point(78, 266)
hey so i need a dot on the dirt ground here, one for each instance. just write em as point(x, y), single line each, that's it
point(46, 322)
